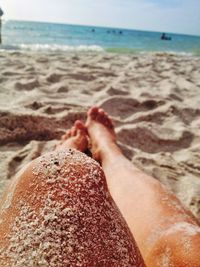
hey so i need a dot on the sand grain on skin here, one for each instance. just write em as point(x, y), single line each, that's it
point(73, 222)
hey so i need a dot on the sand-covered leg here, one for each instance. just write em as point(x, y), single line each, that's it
point(58, 212)
point(167, 234)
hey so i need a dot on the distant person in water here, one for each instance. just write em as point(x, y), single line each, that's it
point(164, 37)
point(67, 209)
point(1, 14)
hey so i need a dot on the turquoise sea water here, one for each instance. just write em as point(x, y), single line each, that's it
point(18, 35)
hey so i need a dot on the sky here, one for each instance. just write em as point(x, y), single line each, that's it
point(178, 16)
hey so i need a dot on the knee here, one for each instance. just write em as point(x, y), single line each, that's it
point(68, 173)
point(52, 183)
point(59, 175)
point(69, 217)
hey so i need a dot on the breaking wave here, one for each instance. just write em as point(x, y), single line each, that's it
point(52, 47)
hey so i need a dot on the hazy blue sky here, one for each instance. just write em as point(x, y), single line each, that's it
point(181, 16)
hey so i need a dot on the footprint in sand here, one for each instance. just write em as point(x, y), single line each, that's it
point(35, 105)
point(147, 141)
point(63, 89)
point(54, 78)
point(124, 107)
point(81, 76)
point(28, 85)
point(23, 128)
point(114, 91)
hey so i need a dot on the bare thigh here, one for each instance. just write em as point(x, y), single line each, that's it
point(58, 212)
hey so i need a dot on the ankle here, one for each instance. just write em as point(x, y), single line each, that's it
point(109, 151)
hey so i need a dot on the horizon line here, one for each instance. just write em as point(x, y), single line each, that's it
point(109, 27)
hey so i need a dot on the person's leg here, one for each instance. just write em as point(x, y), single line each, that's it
point(58, 212)
point(166, 233)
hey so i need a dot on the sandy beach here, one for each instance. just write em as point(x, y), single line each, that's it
point(153, 99)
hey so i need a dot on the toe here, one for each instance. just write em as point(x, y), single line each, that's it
point(105, 119)
point(73, 131)
point(102, 115)
point(63, 137)
point(79, 132)
point(93, 112)
point(66, 135)
point(80, 125)
point(102, 112)
point(98, 114)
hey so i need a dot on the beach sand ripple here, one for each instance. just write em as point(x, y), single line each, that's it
point(152, 98)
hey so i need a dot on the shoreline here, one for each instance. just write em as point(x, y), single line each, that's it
point(153, 99)
point(54, 48)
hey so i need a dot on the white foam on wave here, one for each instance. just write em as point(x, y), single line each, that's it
point(54, 47)
point(84, 48)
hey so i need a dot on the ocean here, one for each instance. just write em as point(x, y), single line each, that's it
point(40, 36)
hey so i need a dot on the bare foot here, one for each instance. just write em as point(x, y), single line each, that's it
point(76, 138)
point(101, 132)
